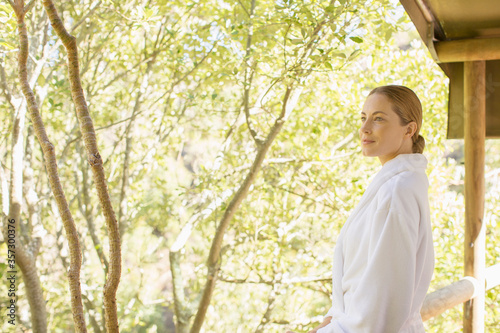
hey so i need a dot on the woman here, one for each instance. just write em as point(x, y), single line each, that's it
point(384, 256)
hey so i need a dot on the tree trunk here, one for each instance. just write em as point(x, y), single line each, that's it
point(24, 259)
point(55, 184)
point(95, 161)
point(289, 100)
point(213, 261)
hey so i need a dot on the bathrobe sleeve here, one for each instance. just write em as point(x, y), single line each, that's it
point(382, 300)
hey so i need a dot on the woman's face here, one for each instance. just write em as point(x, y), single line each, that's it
point(381, 132)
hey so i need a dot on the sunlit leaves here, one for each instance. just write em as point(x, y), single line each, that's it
point(183, 66)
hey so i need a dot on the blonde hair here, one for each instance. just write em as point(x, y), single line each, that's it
point(408, 107)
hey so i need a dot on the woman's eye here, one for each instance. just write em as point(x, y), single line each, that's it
point(378, 118)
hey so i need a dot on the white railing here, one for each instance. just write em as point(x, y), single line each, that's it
point(457, 293)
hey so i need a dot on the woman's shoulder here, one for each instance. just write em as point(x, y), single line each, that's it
point(406, 182)
point(402, 191)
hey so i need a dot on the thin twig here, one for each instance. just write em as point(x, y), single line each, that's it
point(29, 6)
point(243, 6)
point(5, 87)
point(89, 13)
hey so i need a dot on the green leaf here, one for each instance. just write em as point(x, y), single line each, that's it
point(388, 35)
point(356, 39)
point(354, 54)
point(41, 80)
point(339, 55)
point(5, 8)
point(330, 9)
point(3, 42)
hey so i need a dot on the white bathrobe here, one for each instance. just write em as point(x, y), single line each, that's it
point(384, 256)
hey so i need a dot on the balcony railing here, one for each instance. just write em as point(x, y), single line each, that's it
point(457, 293)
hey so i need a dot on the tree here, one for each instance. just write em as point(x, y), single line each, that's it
point(183, 95)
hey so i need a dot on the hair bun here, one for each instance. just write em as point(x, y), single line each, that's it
point(419, 145)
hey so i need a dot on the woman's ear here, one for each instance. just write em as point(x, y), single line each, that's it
point(411, 129)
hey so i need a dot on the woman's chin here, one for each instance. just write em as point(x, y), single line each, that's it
point(368, 153)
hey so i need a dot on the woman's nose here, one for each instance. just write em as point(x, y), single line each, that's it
point(365, 127)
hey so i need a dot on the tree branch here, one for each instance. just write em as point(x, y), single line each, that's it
point(29, 6)
point(86, 301)
point(213, 262)
point(249, 73)
point(86, 210)
point(12, 4)
point(40, 324)
point(243, 6)
point(24, 259)
point(91, 306)
point(266, 318)
point(290, 99)
point(180, 305)
point(95, 161)
point(5, 87)
point(122, 209)
point(297, 280)
point(89, 13)
point(194, 67)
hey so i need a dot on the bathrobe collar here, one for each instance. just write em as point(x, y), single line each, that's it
point(401, 163)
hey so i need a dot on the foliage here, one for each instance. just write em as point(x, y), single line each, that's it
point(170, 77)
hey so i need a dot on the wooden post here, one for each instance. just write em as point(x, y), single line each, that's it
point(475, 132)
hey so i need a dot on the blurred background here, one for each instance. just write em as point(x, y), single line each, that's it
point(185, 98)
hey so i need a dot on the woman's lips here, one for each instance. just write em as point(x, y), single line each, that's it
point(367, 142)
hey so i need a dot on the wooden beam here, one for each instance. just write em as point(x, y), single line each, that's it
point(475, 133)
point(468, 50)
point(422, 19)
